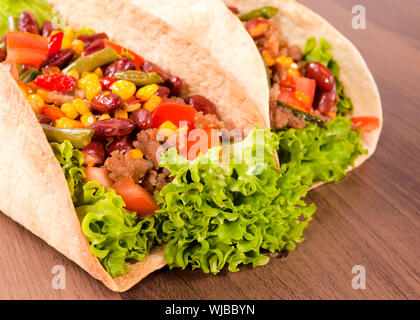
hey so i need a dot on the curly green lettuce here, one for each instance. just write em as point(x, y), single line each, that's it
point(71, 161)
point(217, 215)
point(317, 154)
point(115, 234)
point(40, 8)
point(321, 53)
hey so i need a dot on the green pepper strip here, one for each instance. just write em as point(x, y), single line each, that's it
point(29, 75)
point(79, 138)
point(264, 12)
point(12, 23)
point(93, 61)
point(304, 115)
point(139, 78)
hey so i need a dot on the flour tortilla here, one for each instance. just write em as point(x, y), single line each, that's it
point(33, 188)
point(211, 24)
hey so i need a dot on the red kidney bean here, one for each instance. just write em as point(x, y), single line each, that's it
point(59, 59)
point(163, 92)
point(325, 100)
point(124, 64)
point(28, 22)
point(94, 153)
point(96, 45)
point(111, 128)
point(323, 76)
point(202, 104)
point(123, 145)
point(88, 39)
point(175, 84)
point(44, 119)
point(2, 55)
point(142, 118)
point(233, 9)
point(106, 102)
point(47, 28)
point(150, 67)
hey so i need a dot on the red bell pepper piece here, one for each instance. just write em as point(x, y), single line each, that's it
point(26, 48)
point(56, 82)
point(55, 42)
point(176, 113)
point(53, 112)
point(367, 124)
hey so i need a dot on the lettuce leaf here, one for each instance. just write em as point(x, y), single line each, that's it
point(115, 234)
point(71, 161)
point(214, 214)
point(40, 8)
point(319, 154)
point(321, 53)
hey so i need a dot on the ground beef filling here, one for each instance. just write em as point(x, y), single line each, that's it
point(122, 165)
point(208, 121)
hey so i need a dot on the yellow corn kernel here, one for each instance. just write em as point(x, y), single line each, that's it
point(69, 33)
point(151, 104)
point(99, 72)
point(86, 78)
point(78, 46)
point(64, 123)
point(74, 74)
point(92, 89)
point(286, 61)
point(136, 153)
point(291, 72)
point(24, 88)
point(125, 89)
point(88, 119)
point(36, 102)
point(132, 107)
point(80, 106)
point(70, 111)
point(268, 58)
point(167, 128)
point(146, 92)
point(66, 44)
point(121, 114)
point(104, 116)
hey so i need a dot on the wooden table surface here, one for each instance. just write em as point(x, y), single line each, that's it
point(370, 219)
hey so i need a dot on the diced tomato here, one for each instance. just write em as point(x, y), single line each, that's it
point(12, 68)
point(196, 141)
point(55, 42)
point(135, 197)
point(26, 48)
point(368, 124)
point(99, 175)
point(56, 82)
point(302, 97)
point(107, 82)
point(53, 112)
point(176, 113)
point(125, 52)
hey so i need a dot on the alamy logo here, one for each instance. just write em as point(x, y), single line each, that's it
point(359, 280)
point(58, 282)
point(359, 20)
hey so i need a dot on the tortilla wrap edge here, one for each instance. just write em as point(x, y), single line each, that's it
point(296, 24)
point(40, 179)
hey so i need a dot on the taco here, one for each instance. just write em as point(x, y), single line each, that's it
point(84, 101)
point(319, 92)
